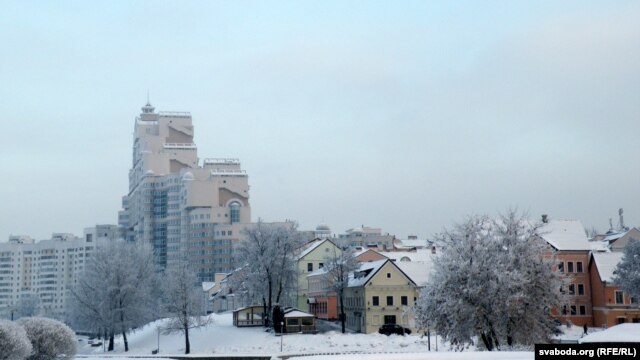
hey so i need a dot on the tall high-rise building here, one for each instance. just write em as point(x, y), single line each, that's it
point(177, 203)
point(37, 277)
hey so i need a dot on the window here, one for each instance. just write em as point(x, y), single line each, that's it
point(621, 320)
point(634, 300)
point(619, 297)
point(570, 266)
point(234, 211)
point(572, 288)
point(320, 266)
point(388, 275)
point(580, 289)
point(376, 301)
point(389, 300)
point(579, 266)
point(309, 267)
point(583, 310)
point(404, 301)
point(561, 267)
point(573, 309)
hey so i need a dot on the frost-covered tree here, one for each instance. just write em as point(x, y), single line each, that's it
point(492, 280)
point(50, 339)
point(117, 291)
point(28, 305)
point(267, 257)
point(14, 343)
point(338, 266)
point(627, 273)
point(183, 300)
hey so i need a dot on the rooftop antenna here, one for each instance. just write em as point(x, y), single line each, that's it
point(622, 227)
point(148, 97)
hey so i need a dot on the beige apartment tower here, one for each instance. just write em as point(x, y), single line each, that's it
point(180, 204)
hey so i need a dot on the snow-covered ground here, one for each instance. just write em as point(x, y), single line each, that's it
point(221, 337)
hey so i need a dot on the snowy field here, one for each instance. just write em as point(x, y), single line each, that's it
point(220, 337)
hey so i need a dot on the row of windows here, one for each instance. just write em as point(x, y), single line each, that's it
point(619, 298)
point(570, 267)
point(404, 300)
point(574, 310)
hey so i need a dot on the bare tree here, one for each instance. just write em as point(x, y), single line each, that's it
point(183, 300)
point(267, 255)
point(337, 268)
point(116, 293)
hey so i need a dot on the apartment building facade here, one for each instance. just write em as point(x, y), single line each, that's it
point(179, 204)
point(41, 274)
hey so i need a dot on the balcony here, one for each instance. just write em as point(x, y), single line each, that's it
point(180, 146)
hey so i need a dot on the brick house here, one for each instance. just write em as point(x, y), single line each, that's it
point(611, 306)
point(568, 245)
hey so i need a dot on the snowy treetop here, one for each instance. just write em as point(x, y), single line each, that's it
point(606, 263)
point(565, 235)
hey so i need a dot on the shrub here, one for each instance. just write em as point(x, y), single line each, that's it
point(51, 339)
point(14, 343)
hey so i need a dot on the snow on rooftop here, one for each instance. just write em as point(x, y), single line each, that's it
point(297, 313)
point(417, 271)
point(627, 332)
point(207, 285)
point(599, 246)
point(417, 243)
point(606, 263)
point(423, 255)
point(365, 272)
point(615, 236)
point(565, 235)
point(311, 246)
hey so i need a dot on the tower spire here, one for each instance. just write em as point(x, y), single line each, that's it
point(148, 108)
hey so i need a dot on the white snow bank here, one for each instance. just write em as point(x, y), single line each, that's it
point(620, 333)
point(428, 356)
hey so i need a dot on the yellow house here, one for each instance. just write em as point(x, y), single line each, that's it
point(380, 293)
point(312, 257)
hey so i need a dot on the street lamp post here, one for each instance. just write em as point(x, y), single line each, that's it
point(281, 334)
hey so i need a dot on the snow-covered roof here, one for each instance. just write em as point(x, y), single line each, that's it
point(417, 243)
point(565, 235)
point(615, 236)
point(606, 263)
point(424, 255)
point(365, 272)
point(207, 285)
point(599, 246)
point(418, 271)
point(628, 332)
point(312, 246)
point(297, 314)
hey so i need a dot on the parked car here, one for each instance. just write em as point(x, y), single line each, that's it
point(388, 329)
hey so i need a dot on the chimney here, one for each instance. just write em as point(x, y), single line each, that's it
point(545, 218)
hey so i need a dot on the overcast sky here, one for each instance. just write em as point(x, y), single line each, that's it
point(406, 116)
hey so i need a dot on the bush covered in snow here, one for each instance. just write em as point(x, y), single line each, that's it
point(14, 343)
point(50, 338)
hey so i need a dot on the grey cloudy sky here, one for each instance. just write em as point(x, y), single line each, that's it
point(402, 115)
